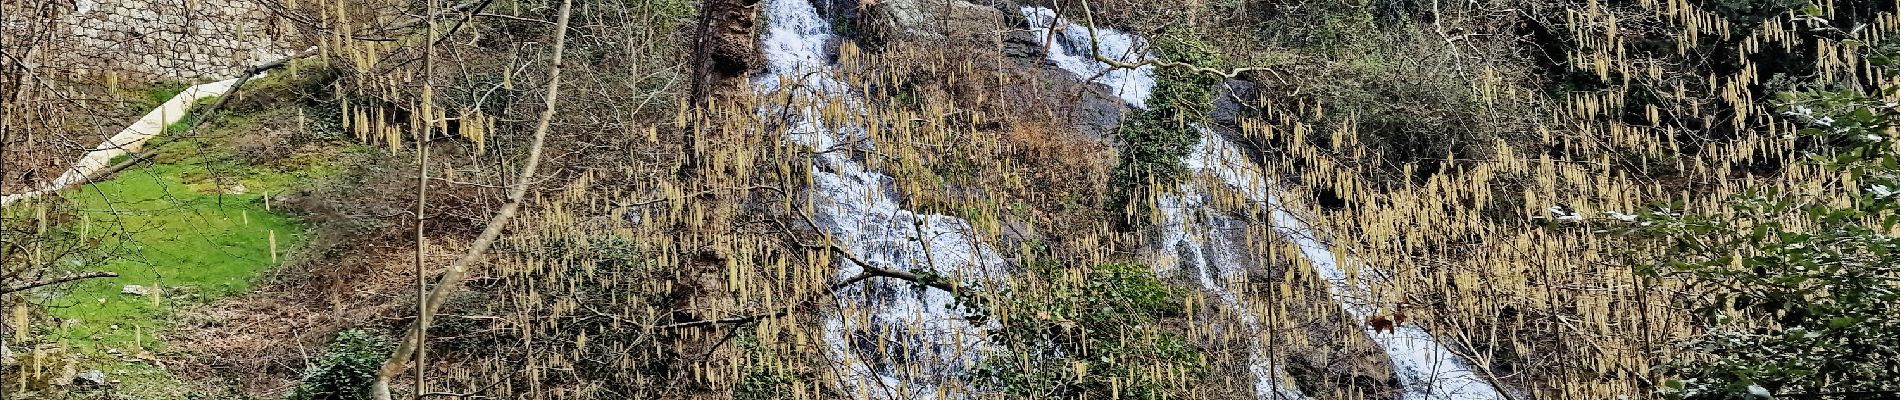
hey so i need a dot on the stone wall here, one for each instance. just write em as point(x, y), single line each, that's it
point(189, 40)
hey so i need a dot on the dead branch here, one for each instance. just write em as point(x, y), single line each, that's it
point(56, 281)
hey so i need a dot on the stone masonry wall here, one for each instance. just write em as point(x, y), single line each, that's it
point(189, 40)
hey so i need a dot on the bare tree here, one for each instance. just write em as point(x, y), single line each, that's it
point(458, 270)
point(429, 115)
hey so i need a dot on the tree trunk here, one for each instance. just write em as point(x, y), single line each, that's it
point(723, 51)
point(424, 316)
point(458, 270)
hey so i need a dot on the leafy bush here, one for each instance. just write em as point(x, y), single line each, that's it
point(764, 385)
point(1799, 290)
point(596, 281)
point(347, 368)
point(1330, 27)
point(1092, 334)
point(761, 381)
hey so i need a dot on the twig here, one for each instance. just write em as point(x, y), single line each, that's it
point(59, 280)
point(478, 391)
point(1095, 46)
point(870, 271)
point(522, 19)
point(648, 202)
point(459, 268)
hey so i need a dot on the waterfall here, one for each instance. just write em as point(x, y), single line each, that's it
point(893, 339)
point(1196, 246)
point(1207, 247)
point(1426, 369)
point(1071, 50)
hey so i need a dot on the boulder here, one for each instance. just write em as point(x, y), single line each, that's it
point(91, 377)
point(1023, 46)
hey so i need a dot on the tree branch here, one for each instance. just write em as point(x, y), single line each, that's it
point(56, 281)
point(1095, 49)
point(870, 271)
point(458, 270)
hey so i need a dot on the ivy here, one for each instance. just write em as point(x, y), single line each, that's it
point(1153, 141)
point(347, 368)
point(1091, 333)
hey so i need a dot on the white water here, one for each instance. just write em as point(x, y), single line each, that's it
point(1071, 50)
point(1202, 242)
point(129, 140)
point(892, 340)
point(1426, 369)
point(1191, 235)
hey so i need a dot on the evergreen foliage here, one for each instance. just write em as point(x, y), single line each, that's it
point(1092, 333)
point(1799, 291)
point(1153, 141)
point(347, 368)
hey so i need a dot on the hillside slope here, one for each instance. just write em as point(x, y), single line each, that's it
point(921, 199)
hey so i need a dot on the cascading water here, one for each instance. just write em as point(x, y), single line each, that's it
point(1071, 50)
point(894, 340)
point(1190, 244)
point(1426, 369)
point(1201, 242)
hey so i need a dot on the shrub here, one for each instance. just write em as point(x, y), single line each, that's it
point(1794, 293)
point(761, 381)
point(597, 282)
point(347, 368)
point(1095, 334)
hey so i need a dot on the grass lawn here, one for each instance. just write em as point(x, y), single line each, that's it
point(191, 227)
point(187, 243)
point(183, 229)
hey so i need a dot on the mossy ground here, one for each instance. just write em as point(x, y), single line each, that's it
point(192, 227)
point(181, 242)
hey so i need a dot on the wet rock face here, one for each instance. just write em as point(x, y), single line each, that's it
point(930, 19)
point(1098, 113)
point(1021, 45)
point(1233, 98)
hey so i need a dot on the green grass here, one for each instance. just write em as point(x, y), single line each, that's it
point(149, 98)
point(193, 245)
point(174, 228)
point(190, 245)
